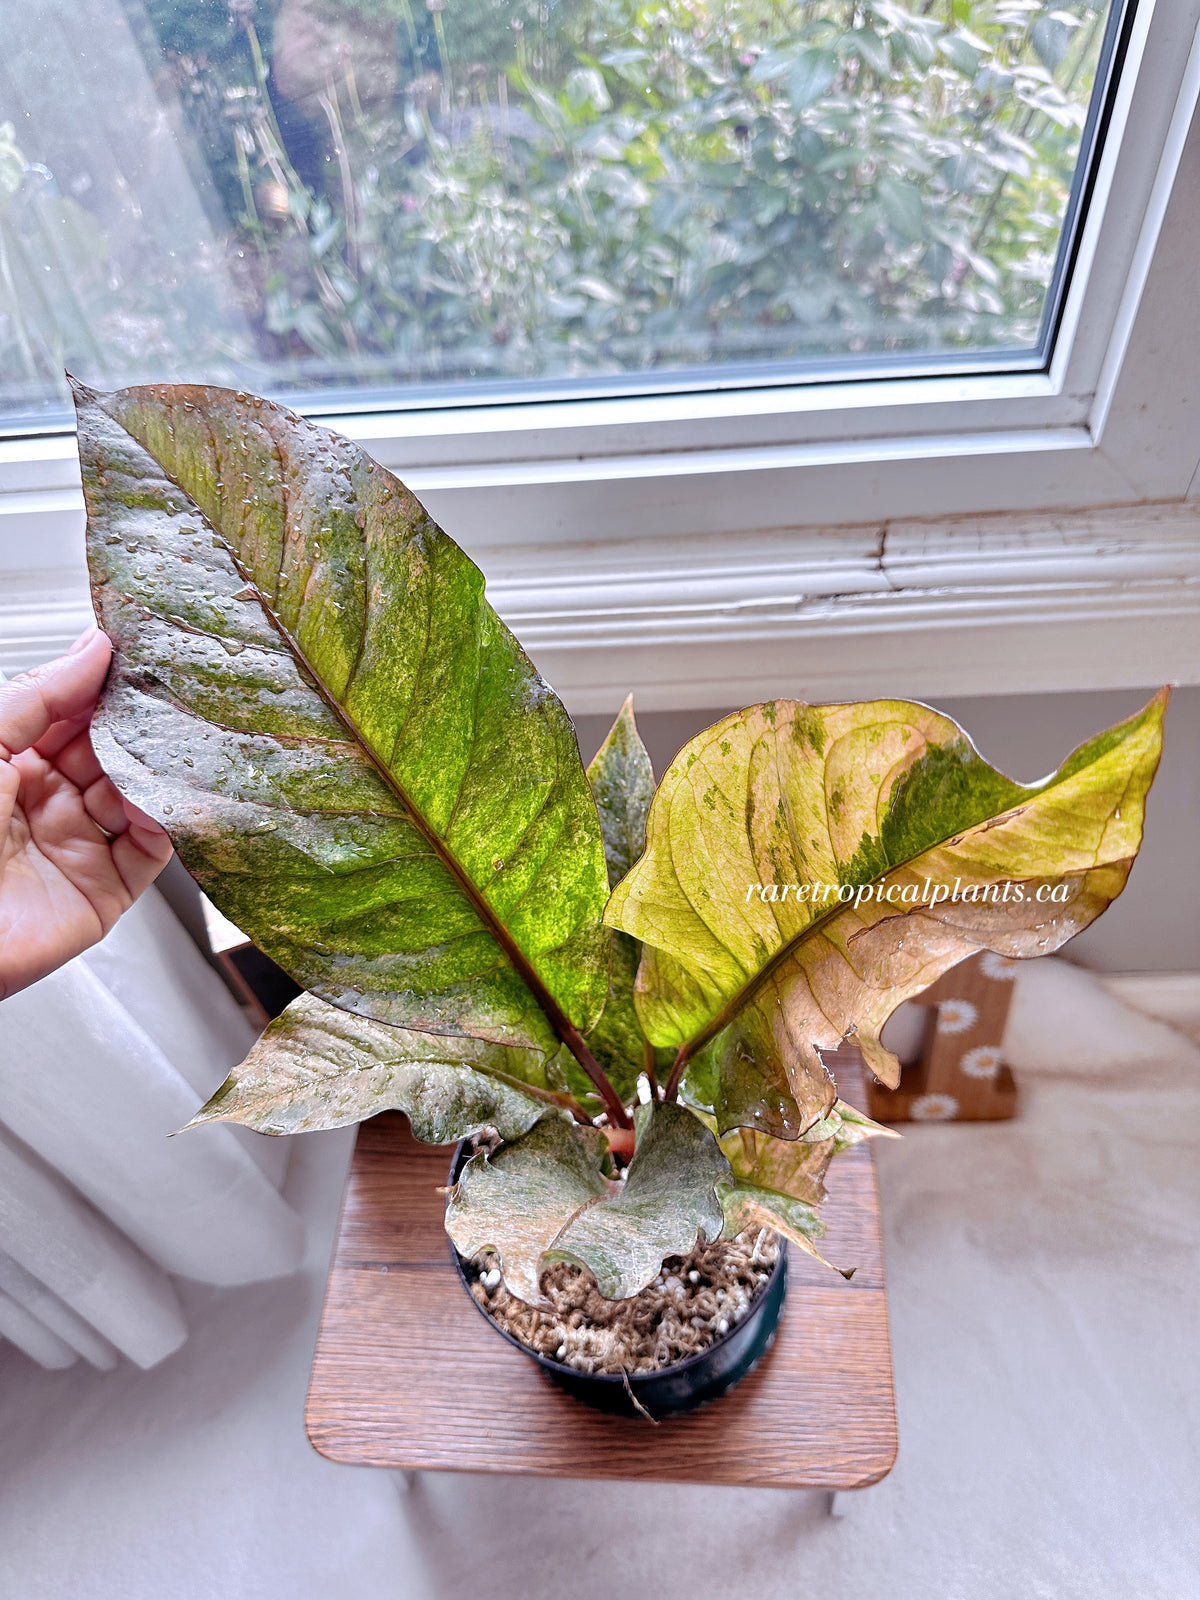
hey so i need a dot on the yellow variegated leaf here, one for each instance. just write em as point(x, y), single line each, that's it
point(779, 1183)
point(776, 802)
point(797, 1167)
point(748, 1207)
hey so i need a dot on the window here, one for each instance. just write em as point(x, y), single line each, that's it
point(694, 321)
point(519, 197)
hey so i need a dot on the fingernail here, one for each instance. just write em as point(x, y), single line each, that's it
point(84, 639)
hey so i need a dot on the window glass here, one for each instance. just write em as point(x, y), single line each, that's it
point(400, 196)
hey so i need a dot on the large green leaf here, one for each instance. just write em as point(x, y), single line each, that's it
point(887, 794)
point(349, 749)
point(544, 1198)
point(318, 1066)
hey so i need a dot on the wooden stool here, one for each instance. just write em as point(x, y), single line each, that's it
point(407, 1374)
point(960, 1076)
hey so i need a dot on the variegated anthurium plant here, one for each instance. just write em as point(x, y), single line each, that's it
point(634, 988)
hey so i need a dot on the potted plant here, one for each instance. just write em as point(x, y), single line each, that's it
point(617, 996)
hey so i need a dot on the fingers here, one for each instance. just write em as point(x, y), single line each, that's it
point(140, 855)
point(75, 759)
point(77, 762)
point(10, 787)
point(103, 804)
point(62, 691)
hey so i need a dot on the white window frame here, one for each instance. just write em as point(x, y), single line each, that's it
point(947, 534)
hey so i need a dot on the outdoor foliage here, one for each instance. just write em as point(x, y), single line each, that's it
point(505, 188)
point(361, 767)
point(658, 184)
point(626, 185)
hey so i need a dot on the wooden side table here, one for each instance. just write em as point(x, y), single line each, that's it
point(408, 1375)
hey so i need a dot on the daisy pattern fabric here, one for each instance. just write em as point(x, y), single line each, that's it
point(983, 1061)
point(956, 1016)
point(934, 1108)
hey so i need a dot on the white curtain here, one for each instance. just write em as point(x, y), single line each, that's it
point(99, 1208)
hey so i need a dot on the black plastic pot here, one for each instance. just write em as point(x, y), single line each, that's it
point(669, 1390)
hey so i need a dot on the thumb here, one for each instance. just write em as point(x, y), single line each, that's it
point(62, 690)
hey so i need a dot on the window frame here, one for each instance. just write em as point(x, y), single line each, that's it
point(1056, 420)
point(567, 501)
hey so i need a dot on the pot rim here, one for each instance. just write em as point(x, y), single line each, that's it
point(620, 1379)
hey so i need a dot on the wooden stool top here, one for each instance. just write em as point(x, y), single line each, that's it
point(408, 1374)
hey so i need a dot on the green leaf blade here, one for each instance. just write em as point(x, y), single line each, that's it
point(622, 781)
point(811, 75)
point(348, 747)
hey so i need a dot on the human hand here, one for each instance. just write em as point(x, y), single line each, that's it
point(73, 854)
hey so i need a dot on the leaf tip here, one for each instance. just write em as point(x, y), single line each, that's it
point(80, 392)
point(213, 1109)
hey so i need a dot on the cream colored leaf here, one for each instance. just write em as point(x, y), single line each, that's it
point(543, 1199)
point(747, 1207)
point(668, 1197)
point(317, 1066)
point(518, 1201)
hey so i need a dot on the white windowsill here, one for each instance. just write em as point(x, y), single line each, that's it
point(976, 605)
